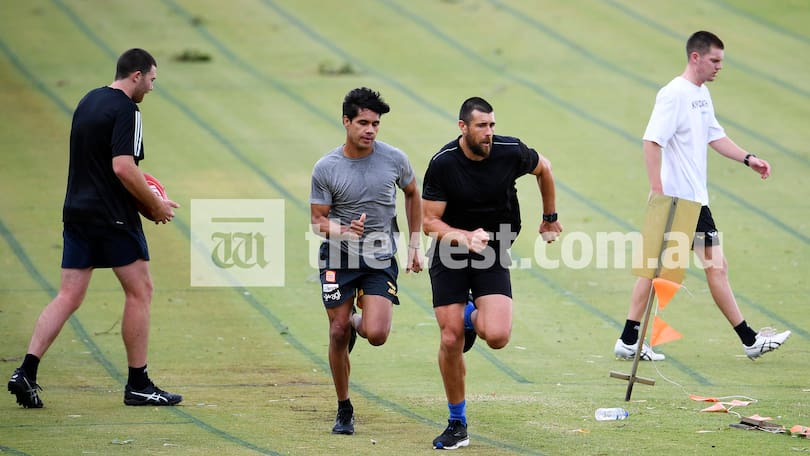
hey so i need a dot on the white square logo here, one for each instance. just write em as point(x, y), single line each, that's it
point(237, 242)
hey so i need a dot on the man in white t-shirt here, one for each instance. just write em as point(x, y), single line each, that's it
point(681, 125)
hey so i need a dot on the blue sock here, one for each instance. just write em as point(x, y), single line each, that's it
point(468, 310)
point(458, 411)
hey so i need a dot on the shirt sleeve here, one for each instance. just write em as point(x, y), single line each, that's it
point(127, 134)
point(529, 158)
point(432, 188)
point(406, 174)
point(319, 192)
point(663, 120)
point(716, 131)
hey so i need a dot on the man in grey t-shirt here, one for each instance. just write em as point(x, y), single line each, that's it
point(353, 206)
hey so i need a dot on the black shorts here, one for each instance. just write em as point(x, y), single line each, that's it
point(452, 284)
point(341, 283)
point(705, 232)
point(96, 246)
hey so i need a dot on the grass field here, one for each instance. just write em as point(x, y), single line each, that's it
point(576, 80)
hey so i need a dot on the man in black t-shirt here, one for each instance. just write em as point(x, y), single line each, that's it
point(102, 228)
point(470, 208)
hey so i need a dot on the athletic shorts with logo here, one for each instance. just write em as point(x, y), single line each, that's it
point(341, 283)
point(706, 232)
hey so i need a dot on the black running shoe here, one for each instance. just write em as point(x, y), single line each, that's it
point(151, 395)
point(469, 331)
point(26, 391)
point(455, 436)
point(344, 422)
point(353, 336)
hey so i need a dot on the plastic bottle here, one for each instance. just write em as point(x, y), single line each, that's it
point(610, 414)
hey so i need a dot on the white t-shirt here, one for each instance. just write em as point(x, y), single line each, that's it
point(683, 124)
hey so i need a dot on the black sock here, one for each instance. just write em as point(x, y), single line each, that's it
point(747, 335)
point(346, 405)
point(630, 333)
point(138, 379)
point(30, 365)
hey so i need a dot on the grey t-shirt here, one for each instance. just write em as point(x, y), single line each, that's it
point(364, 185)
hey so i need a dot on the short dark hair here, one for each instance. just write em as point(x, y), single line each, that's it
point(473, 104)
point(134, 60)
point(701, 42)
point(363, 98)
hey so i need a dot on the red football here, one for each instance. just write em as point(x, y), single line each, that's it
point(155, 185)
point(157, 189)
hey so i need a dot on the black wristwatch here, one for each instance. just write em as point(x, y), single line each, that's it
point(550, 218)
point(747, 157)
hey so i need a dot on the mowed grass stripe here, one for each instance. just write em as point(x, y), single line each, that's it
point(773, 26)
point(601, 62)
point(13, 451)
point(658, 27)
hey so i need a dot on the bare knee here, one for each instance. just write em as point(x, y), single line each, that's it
point(339, 333)
point(718, 271)
point(451, 341)
point(377, 338)
point(498, 340)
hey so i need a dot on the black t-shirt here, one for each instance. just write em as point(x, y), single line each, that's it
point(479, 194)
point(106, 124)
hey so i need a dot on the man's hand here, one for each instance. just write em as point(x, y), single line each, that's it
point(477, 240)
point(356, 227)
point(550, 231)
point(414, 260)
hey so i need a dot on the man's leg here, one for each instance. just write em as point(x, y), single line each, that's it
point(451, 364)
point(716, 268)
point(493, 319)
point(73, 287)
point(72, 291)
point(137, 285)
point(451, 360)
point(375, 322)
point(638, 299)
point(625, 347)
point(340, 331)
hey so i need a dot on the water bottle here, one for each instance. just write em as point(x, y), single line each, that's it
point(610, 414)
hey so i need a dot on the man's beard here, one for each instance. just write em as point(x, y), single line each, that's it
point(478, 150)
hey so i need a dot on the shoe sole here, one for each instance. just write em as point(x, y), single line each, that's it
point(469, 339)
point(136, 403)
point(22, 396)
point(459, 444)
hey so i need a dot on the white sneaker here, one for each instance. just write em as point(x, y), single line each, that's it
point(624, 351)
point(767, 340)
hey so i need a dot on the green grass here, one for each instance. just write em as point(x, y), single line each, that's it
point(576, 80)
